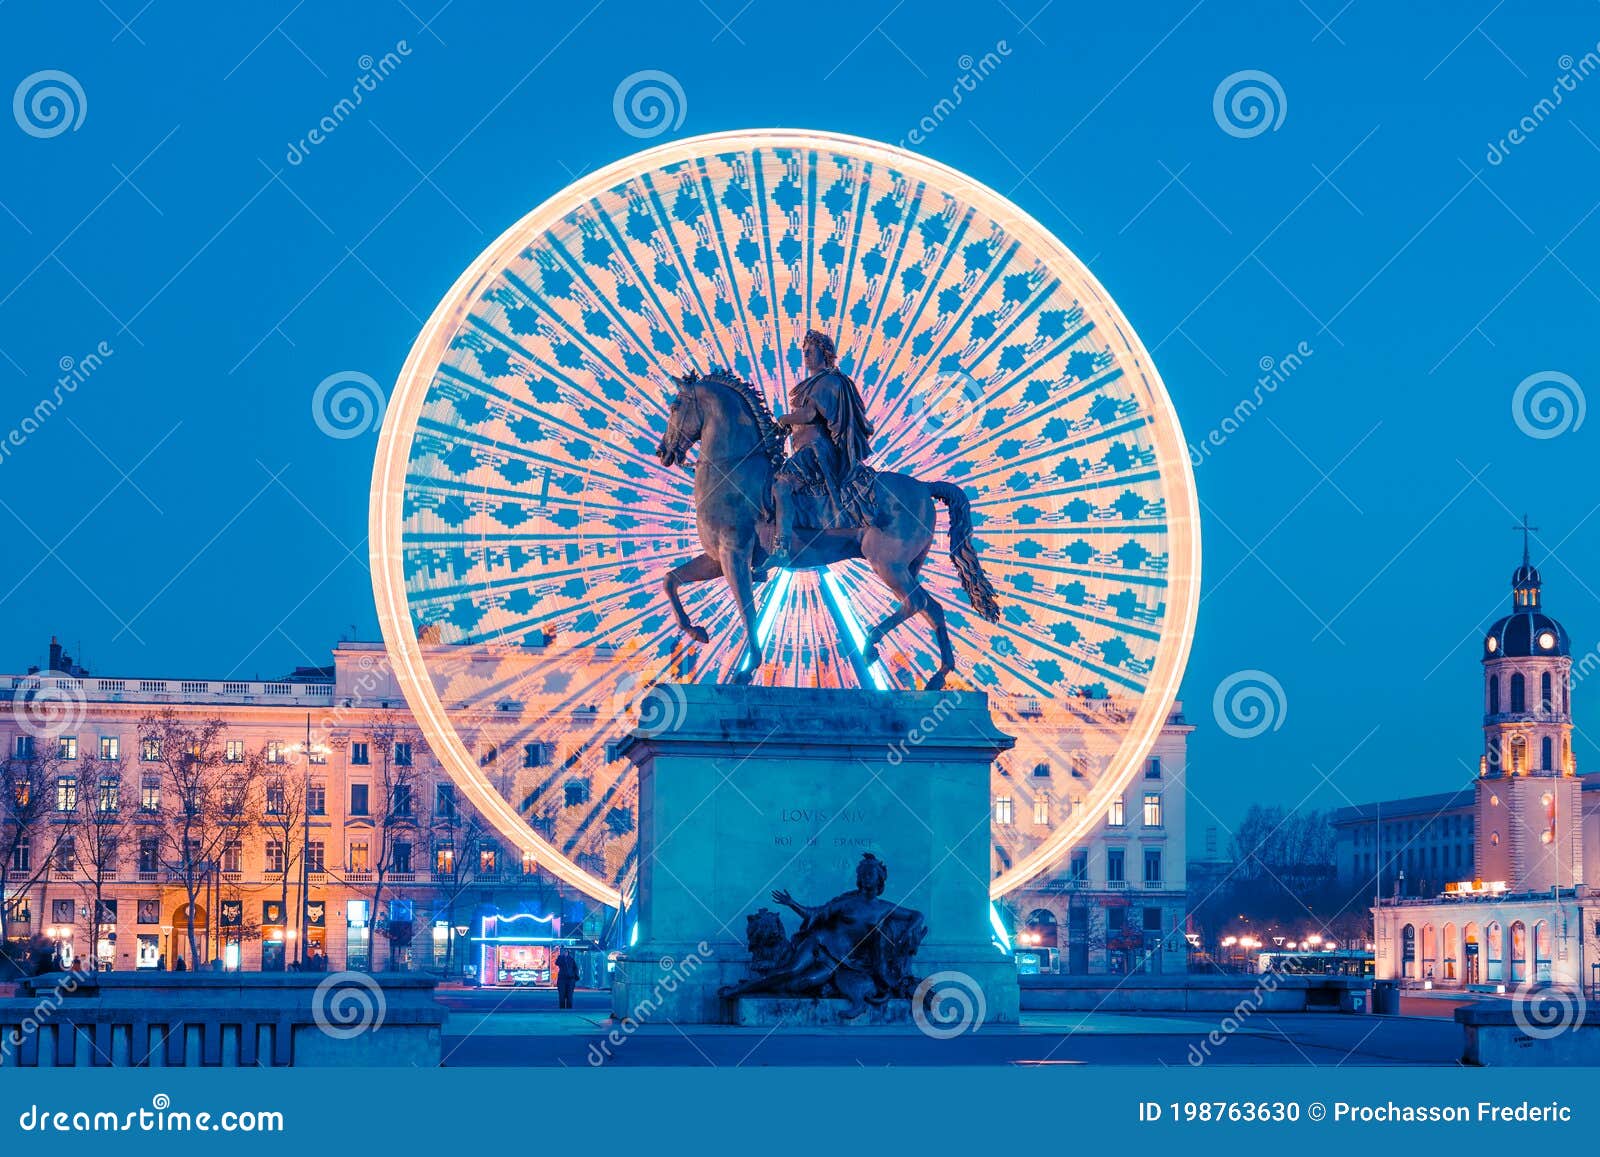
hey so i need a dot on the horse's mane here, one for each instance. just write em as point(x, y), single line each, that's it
point(766, 428)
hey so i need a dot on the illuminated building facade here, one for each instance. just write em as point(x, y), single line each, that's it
point(1523, 913)
point(356, 850)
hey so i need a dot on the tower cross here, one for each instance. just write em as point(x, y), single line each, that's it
point(1526, 530)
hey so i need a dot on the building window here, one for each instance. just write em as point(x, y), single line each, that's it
point(358, 798)
point(1041, 812)
point(535, 755)
point(490, 756)
point(232, 853)
point(66, 854)
point(275, 751)
point(24, 747)
point(487, 858)
point(1519, 693)
point(1041, 771)
point(233, 751)
point(22, 853)
point(1546, 699)
point(1494, 694)
point(1152, 767)
point(1152, 919)
point(402, 856)
point(316, 853)
point(277, 801)
point(1114, 866)
point(400, 800)
point(1117, 815)
point(1152, 865)
point(67, 793)
point(402, 755)
point(444, 801)
point(360, 856)
point(1078, 872)
point(150, 750)
point(1546, 751)
point(1152, 809)
point(275, 857)
point(149, 854)
point(111, 746)
point(316, 798)
point(1002, 809)
point(444, 860)
point(360, 756)
point(67, 747)
point(110, 799)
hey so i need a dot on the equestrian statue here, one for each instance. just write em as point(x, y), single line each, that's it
point(758, 507)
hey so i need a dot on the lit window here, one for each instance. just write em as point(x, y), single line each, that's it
point(276, 799)
point(1002, 809)
point(487, 858)
point(67, 793)
point(110, 747)
point(444, 860)
point(275, 751)
point(110, 793)
point(315, 856)
point(1116, 816)
point(150, 750)
point(150, 793)
point(1041, 812)
point(360, 856)
point(67, 746)
point(1152, 809)
point(233, 752)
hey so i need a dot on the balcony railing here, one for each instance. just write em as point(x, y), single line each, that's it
point(92, 690)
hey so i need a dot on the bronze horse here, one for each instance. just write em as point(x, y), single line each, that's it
point(740, 449)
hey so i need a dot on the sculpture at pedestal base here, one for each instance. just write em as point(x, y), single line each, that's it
point(857, 946)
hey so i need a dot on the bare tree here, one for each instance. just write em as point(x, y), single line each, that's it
point(462, 834)
point(283, 816)
point(207, 802)
point(395, 810)
point(31, 829)
point(99, 828)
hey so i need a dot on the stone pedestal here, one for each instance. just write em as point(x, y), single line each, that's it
point(759, 788)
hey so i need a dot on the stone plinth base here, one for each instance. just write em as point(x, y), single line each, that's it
point(758, 789)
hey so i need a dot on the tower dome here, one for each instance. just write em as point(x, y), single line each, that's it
point(1527, 631)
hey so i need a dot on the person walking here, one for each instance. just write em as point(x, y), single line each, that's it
point(566, 976)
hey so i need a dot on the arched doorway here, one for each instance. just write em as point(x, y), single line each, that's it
point(1430, 952)
point(1471, 955)
point(1541, 952)
point(1496, 942)
point(1408, 952)
point(1041, 930)
point(1452, 954)
point(178, 950)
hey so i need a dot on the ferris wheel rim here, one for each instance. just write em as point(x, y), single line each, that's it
point(385, 522)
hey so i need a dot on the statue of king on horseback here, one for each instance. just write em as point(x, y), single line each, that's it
point(757, 508)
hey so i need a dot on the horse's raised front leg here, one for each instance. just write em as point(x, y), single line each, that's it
point(702, 568)
point(736, 572)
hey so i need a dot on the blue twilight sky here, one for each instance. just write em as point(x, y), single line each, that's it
point(181, 513)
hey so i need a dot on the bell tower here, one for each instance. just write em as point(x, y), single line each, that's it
point(1528, 817)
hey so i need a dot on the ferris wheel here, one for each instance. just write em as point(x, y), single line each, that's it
point(521, 525)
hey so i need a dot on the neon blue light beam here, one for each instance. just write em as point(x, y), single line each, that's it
point(768, 618)
point(858, 634)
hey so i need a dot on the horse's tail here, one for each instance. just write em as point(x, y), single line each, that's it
point(980, 592)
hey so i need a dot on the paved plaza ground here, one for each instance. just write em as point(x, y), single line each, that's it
point(488, 1027)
